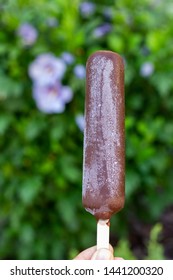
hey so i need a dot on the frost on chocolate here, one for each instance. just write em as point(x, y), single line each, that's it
point(102, 164)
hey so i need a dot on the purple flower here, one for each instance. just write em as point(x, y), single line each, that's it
point(102, 30)
point(67, 57)
point(27, 33)
point(46, 69)
point(80, 121)
point(147, 69)
point(50, 95)
point(52, 98)
point(87, 8)
point(80, 71)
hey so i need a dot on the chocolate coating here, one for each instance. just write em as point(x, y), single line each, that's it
point(104, 141)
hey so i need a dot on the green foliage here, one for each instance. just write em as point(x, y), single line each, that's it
point(123, 250)
point(41, 213)
point(155, 249)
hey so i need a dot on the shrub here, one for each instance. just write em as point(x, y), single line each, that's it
point(41, 213)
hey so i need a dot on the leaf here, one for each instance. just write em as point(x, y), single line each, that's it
point(29, 189)
point(132, 182)
point(155, 250)
point(115, 43)
point(67, 211)
point(163, 82)
point(5, 121)
point(69, 168)
point(33, 127)
point(9, 88)
point(123, 250)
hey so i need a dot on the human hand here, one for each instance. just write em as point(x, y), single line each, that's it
point(101, 254)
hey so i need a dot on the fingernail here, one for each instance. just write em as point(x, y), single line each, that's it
point(102, 254)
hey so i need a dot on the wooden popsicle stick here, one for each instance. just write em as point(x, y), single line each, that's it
point(103, 234)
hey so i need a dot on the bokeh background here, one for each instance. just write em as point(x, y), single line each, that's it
point(44, 46)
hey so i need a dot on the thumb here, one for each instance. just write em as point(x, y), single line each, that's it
point(102, 254)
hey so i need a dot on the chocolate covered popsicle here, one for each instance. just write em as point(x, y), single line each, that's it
point(104, 141)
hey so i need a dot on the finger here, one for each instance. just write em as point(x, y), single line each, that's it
point(103, 254)
point(111, 248)
point(86, 254)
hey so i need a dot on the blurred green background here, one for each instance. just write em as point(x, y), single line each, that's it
point(41, 212)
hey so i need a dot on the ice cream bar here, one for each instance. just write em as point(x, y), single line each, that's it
point(104, 144)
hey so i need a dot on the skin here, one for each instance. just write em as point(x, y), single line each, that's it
point(93, 254)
